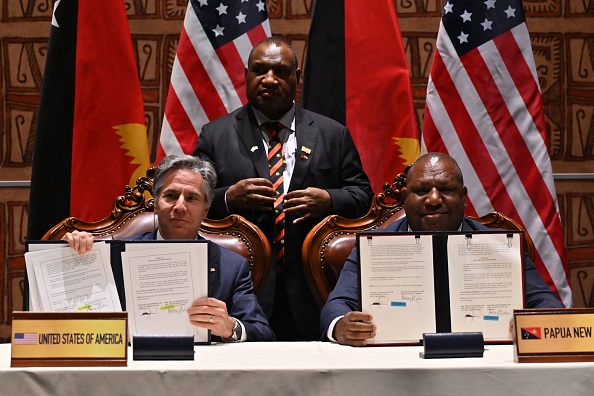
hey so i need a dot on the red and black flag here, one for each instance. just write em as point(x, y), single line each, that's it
point(356, 72)
point(91, 136)
point(531, 333)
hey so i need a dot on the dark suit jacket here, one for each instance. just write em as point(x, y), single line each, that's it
point(233, 143)
point(345, 296)
point(231, 282)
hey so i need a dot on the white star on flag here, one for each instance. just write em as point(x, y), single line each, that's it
point(221, 9)
point(218, 31)
point(487, 24)
point(466, 16)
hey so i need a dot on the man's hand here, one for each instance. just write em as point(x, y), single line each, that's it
point(80, 241)
point(311, 202)
point(210, 313)
point(354, 329)
point(256, 193)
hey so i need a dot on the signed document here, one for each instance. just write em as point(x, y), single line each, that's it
point(446, 282)
point(161, 280)
point(485, 278)
point(62, 281)
point(397, 286)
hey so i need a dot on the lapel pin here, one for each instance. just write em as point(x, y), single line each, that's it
point(304, 157)
point(254, 148)
point(212, 270)
point(306, 150)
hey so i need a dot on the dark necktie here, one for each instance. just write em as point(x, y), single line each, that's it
point(276, 163)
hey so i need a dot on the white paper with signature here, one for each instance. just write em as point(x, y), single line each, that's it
point(485, 276)
point(161, 280)
point(62, 281)
point(397, 286)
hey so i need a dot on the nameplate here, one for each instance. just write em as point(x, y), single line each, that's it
point(553, 335)
point(69, 339)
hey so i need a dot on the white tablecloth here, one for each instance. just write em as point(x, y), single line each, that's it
point(308, 368)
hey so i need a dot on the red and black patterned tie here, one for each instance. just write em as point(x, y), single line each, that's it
point(276, 163)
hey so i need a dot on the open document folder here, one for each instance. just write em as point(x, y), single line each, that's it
point(160, 280)
point(415, 283)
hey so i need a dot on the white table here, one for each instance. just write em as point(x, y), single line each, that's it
point(305, 368)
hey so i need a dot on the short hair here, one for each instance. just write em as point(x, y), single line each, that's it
point(458, 175)
point(277, 41)
point(194, 164)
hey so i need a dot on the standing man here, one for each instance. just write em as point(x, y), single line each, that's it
point(318, 173)
point(434, 200)
point(183, 189)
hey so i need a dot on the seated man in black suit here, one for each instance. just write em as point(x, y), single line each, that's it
point(434, 200)
point(183, 190)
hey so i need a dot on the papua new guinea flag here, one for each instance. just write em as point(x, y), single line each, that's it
point(91, 138)
point(356, 72)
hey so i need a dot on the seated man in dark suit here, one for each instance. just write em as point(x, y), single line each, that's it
point(183, 190)
point(434, 200)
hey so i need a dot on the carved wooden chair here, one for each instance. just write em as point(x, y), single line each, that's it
point(329, 243)
point(132, 213)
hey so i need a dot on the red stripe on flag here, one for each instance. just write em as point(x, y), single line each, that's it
point(523, 79)
point(199, 79)
point(234, 66)
point(257, 34)
point(437, 143)
point(546, 275)
point(180, 123)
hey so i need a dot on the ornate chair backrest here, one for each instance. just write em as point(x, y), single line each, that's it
point(132, 213)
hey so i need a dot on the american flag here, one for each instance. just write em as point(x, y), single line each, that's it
point(25, 339)
point(484, 108)
point(207, 79)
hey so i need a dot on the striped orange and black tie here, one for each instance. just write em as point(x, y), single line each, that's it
point(276, 163)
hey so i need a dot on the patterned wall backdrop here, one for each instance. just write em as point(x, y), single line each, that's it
point(562, 36)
